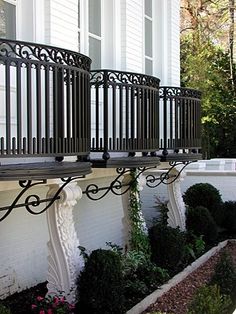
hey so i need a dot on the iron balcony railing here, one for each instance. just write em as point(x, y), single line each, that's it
point(180, 123)
point(125, 112)
point(45, 101)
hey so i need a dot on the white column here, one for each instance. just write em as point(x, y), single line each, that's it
point(64, 260)
point(176, 206)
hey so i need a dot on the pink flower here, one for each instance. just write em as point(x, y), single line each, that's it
point(71, 306)
point(39, 298)
point(33, 306)
point(42, 312)
point(56, 300)
point(62, 299)
point(50, 311)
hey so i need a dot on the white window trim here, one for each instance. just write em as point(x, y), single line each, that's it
point(146, 57)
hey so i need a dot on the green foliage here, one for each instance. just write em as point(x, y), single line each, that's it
point(208, 300)
point(100, 285)
point(225, 275)
point(4, 309)
point(168, 247)
point(163, 212)
point(138, 237)
point(203, 194)
point(229, 217)
point(200, 222)
point(205, 66)
point(194, 247)
point(141, 276)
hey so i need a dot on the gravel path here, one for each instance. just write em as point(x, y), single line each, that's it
point(177, 299)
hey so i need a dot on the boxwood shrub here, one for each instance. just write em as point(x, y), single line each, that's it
point(203, 194)
point(100, 284)
point(200, 222)
point(167, 246)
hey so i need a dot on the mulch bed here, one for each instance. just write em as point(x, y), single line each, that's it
point(178, 298)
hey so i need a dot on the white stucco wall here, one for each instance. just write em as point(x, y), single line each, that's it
point(221, 173)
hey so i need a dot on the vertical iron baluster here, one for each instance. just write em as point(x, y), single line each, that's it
point(47, 108)
point(121, 116)
point(127, 116)
point(29, 108)
point(8, 107)
point(55, 109)
point(68, 104)
point(97, 118)
point(114, 115)
point(19, 107)
point(165, 103)
point(74, 109)
point(132, 113)
point(39, 109)
point(105, 112)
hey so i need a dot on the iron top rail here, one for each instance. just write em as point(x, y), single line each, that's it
point(123, 77)
point(176, 91)
point(44, 53)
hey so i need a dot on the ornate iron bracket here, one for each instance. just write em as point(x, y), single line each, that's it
point(117, 187)
point(166, 177)
point(33, 200)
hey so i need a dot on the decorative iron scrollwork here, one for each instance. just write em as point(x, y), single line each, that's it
point(33, 200)
point(166, 177)
point(121, 77)
point(117, 187)
point(43, 53)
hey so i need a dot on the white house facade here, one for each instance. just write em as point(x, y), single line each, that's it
point(47, 111)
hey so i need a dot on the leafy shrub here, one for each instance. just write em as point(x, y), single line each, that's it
point(229, 218)
point(200, 222)
point(4, 309)
point(194, 247)
point(225, 275)
point(100, 285)
point(168, 246)
point(208, 300)
point(203, 194)
point(141, 276)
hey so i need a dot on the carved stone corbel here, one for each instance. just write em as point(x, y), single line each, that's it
point(176, 206)
point(64, 260)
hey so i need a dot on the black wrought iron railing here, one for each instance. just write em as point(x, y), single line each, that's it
point(124, 112)
point(45, 100)
point(180, 118)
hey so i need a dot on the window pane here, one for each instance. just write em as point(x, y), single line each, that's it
point(95, 52)
point(148, 66)
point(79, 13)
point(148, 8)
point(95, 17)
point(7, 20)
point(148, 38)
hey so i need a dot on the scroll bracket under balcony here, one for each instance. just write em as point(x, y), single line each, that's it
point(118, 186)
point(32, 201)
point(167, 177)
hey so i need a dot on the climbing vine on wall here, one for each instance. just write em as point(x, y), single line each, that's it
point(138, 234)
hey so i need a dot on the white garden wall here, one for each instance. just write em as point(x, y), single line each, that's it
point(221, 173)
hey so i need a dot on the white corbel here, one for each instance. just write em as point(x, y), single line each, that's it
point(176, 206)
point(64, 260)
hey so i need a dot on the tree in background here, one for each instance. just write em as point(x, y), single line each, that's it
point(207, 63)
